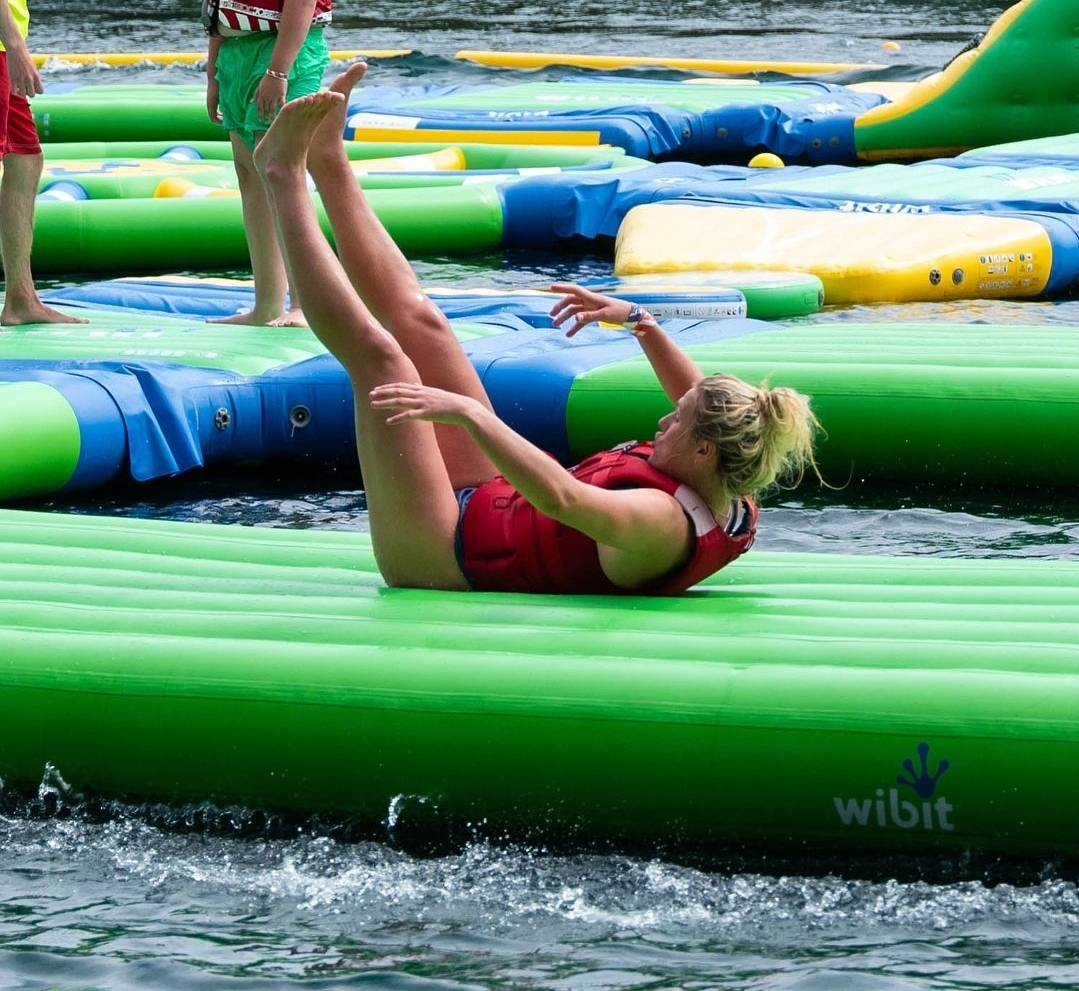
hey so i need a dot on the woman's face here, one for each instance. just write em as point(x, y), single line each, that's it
point(676, 449)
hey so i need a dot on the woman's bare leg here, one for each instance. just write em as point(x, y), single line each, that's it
point(387, 284)
point(411, 504)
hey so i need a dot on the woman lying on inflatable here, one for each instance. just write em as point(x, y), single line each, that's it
point(456, 499)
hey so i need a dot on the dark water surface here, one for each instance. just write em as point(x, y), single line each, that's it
point(928, 33)
point(130, 900)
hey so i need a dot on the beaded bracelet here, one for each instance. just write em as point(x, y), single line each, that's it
point(277, 75)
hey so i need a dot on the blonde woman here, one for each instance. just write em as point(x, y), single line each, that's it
point(457, 499)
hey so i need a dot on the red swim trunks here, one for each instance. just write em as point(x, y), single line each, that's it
point(18, 135)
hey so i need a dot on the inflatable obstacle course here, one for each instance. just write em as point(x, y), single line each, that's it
point(988, 94)
point(981, 218)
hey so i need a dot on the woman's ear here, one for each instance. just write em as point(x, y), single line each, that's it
point(705, 448)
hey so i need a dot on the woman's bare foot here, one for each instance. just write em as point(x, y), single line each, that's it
point(327, 143)
point(282, 153)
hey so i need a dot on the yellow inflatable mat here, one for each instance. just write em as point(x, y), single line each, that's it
point(859, 257)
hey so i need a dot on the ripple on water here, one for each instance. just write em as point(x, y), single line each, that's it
point(309, 905)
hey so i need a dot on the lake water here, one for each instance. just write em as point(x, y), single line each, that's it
point(928, 33)
point(135, 898)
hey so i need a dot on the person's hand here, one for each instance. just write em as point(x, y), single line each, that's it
point(270, 95)
point(413, 401)
point(212, 98)
point(585, 306)
point(25, 79)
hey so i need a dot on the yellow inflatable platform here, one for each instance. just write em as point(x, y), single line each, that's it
point(859, 257)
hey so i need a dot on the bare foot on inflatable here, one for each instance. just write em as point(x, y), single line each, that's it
point(290, 318)
point(249, 318)
point(13, 316)
point(282, 154)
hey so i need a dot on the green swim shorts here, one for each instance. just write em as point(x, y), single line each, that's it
point(242, 62)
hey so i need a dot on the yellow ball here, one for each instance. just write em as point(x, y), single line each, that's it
point(891, 46)
point(766, 160)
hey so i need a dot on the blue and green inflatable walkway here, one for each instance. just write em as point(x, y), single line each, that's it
point(146, 395)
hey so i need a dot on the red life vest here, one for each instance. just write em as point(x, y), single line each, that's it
point(509, 546)
point(265, 15)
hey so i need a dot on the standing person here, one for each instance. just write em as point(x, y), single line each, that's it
point(260, 55)
point(22, 164)
point(456, 499)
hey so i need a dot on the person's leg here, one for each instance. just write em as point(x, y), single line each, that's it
point(411, 504)
point(22, 164)
point(388, 286)
point(267, 265)
point(240, 65)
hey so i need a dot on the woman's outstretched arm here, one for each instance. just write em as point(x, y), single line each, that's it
point(642, 524)
point(676, 371)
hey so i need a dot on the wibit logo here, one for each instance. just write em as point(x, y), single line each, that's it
point(891, 809)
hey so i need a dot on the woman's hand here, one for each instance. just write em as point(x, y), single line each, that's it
point(413, 401)
point(585, 307)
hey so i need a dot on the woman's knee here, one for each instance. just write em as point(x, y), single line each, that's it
point(371, 355)
point(417, 316)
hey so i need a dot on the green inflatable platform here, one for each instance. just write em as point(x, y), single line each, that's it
point(793, 703)
point(904, 404)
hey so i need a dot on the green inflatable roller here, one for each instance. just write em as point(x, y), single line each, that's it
point(795, 703)
point(208, 233)
point(477, 155)
point(145, 112)
point(768, 295)
point(41, 441)
point(940, 403)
